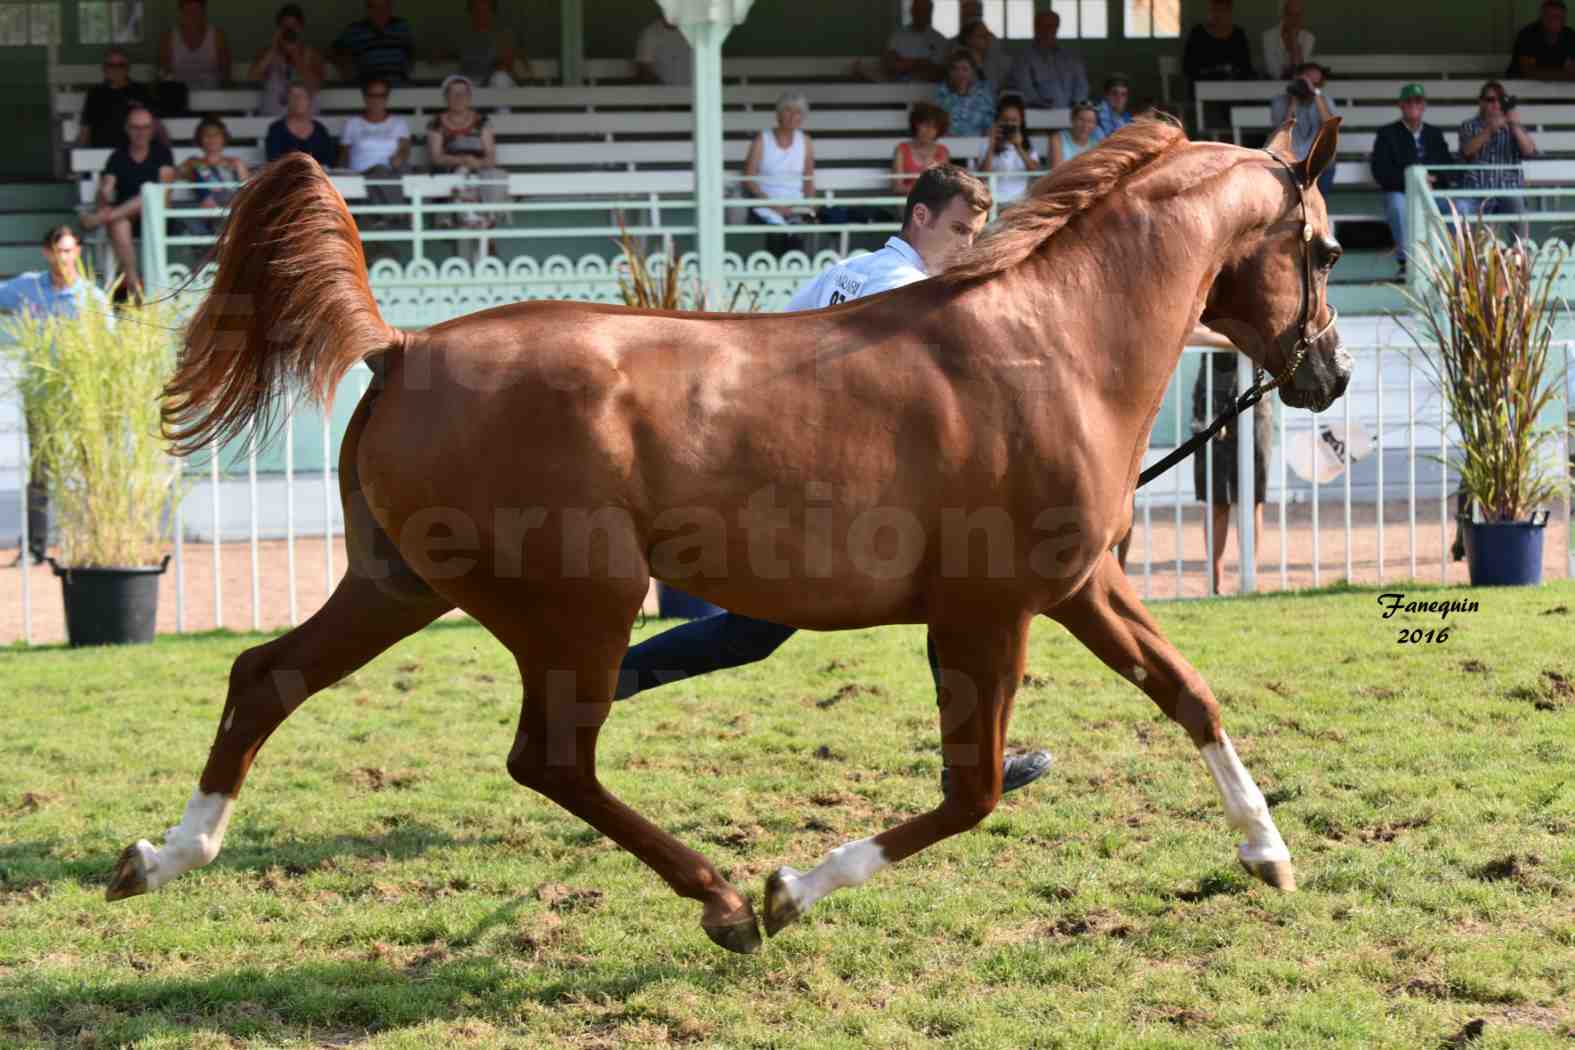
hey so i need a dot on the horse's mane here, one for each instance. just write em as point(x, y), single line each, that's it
point(1072, 188)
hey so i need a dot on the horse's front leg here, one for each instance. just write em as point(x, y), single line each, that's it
point(980, 666)
point(1107, 616)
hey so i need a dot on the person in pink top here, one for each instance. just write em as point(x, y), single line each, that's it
point(928, 122)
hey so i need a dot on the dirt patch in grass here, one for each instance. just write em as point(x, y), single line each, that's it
point(1390, 831)
point(560, 898)
point(850, 691)
point(372, 778)
point(1474, 667)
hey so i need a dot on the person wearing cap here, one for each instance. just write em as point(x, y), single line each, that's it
point(1545, 50)
point(376, 143)
point(378, 45)
point(1398, 146)
point(1303, 99)
point(1111, 114)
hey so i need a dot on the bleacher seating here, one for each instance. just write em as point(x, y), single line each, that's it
point(1409, 66)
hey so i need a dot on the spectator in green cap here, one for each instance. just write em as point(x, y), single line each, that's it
point(1407, 141)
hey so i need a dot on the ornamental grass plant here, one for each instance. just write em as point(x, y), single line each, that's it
point(1484, 319)
point(90, 388)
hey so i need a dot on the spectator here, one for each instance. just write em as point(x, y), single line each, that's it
point(195, 52)
point(378, 45)
point(1111, 113)
point(969, 103)
point(1045, 75)
point(916, 51)
point(104, 110)
point(1545, 50)
point(781, 165)
point(460, 142)
point(662, 55)
point(488, 54)
point(1303, 98)
point(1225, 492)
point(990, 56)
point(61, 291)
point(1399, 145)
point(288, 59)
point(118, 207)
point(211, 168)
point(1217, 48)
point(298, 132)
point(1495, 136)
point(927, 122)
point(1082, 135)
point(1287, 45)
point(376, 143)
point(1008, 151)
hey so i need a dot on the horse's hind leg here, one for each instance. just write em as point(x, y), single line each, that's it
point(359, 621)
point(1107, 616)
point(570, 666)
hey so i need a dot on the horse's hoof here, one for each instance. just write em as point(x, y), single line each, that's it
point(781, 909)
point(1277, 873)
point(742, 937)
point(130, 877)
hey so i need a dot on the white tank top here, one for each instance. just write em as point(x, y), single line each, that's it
point(197, 68)
point(781, 170)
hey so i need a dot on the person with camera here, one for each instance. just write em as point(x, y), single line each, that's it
point(1495, 137)
point(1008, 151)
point(1304, 99)
point(288, 59)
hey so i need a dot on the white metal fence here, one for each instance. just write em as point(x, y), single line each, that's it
point(258, 537)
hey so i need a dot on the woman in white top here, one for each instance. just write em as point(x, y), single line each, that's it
point(195, 51)
point(781, 164)
point(1008, 151)
point(1082, 135)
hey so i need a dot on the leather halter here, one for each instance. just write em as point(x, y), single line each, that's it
point(1305, 338)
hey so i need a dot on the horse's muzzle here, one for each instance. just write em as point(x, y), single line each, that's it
point(1321, 377)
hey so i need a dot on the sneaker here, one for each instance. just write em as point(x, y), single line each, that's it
point(1017, 771)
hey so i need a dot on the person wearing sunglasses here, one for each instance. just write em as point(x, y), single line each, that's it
point(104, 110)
point(118, 207)
point(1495, 137)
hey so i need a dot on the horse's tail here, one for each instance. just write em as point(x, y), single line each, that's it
point(290, 308)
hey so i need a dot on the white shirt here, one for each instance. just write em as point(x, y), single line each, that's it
point(1009, 187)
point(664, 49)
point(373, 144)
point(893, 266)
point(1276, 59)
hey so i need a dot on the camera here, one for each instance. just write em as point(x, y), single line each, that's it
point(1299, 89)
point(1007, 130)
point(1508, 103)
point(290, 36)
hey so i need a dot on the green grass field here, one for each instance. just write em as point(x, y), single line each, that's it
point(384, 883)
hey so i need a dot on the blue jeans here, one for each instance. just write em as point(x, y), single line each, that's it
point(702, 646)
point(1394, 211)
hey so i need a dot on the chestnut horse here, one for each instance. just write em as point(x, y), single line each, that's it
point(961, 453)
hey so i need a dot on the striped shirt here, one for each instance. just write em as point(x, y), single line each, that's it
point(378, 52)
point(1501, 148)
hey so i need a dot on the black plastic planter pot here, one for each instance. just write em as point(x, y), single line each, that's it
point(1505, 553)
point(110, 606)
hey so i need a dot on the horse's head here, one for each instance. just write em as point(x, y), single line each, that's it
point(1270, 297)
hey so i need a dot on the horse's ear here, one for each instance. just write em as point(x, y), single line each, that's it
point(1322, 153)
point(1280, 141)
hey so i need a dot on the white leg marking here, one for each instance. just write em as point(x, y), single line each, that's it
point(228, 722)
point(1245, 809)
point(195, 841)
point(850, 864)
point(1139, 675)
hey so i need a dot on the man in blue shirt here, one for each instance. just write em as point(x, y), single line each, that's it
point(60, 291)
point(945, 211)
point(1046, 75)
